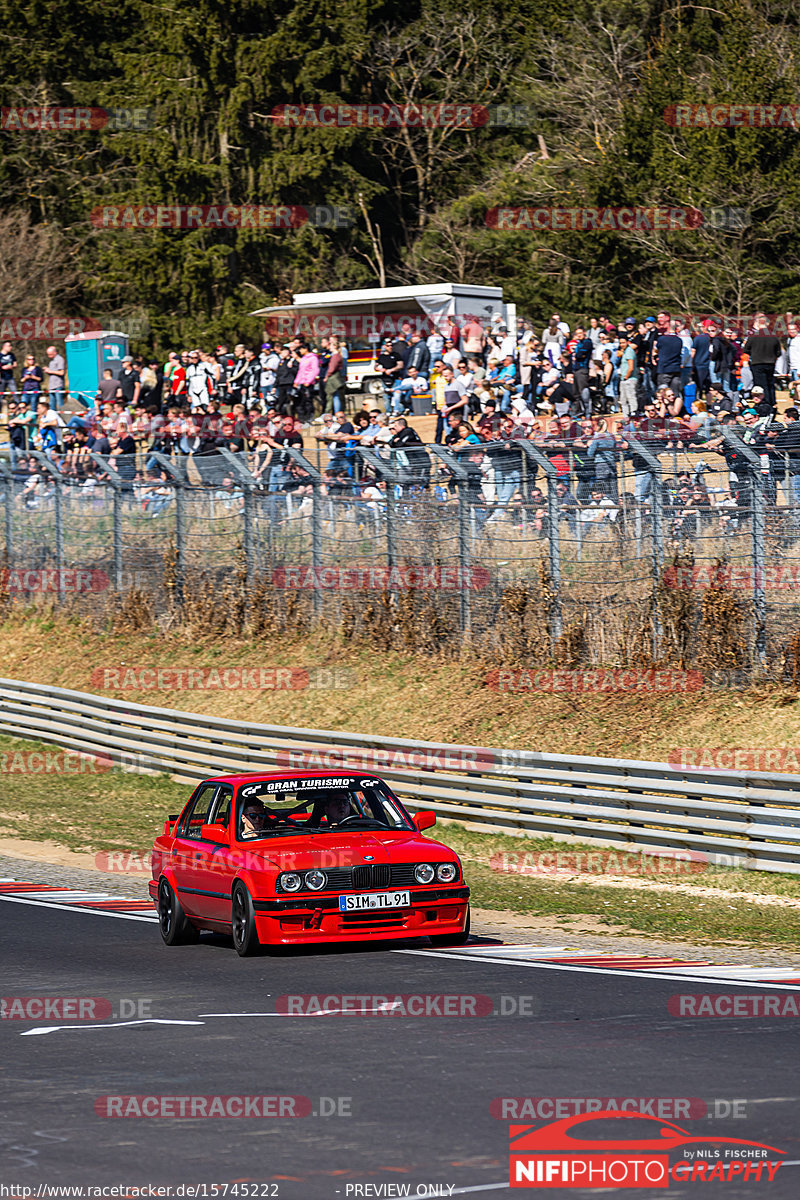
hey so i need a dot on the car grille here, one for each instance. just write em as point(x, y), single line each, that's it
point(368, 876)
point(372, 875)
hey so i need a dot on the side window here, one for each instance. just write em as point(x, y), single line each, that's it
point(197, 814)
point(223, 809)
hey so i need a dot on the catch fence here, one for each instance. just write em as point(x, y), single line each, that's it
point(633, 554)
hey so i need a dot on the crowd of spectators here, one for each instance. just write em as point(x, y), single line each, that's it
point(585, 398)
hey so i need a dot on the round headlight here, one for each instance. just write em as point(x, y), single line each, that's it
point(447, 872)
point(316, 880)
point(424, 873)
point(291, 882)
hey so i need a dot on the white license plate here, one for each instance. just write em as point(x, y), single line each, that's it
point(374, 900)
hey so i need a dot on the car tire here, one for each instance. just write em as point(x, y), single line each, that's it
point(176, 928)
point(243, 922)
point(452, 939)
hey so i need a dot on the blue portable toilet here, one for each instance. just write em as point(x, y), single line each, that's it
point(689, 396)
point(88, 355)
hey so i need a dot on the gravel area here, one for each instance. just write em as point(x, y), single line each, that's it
point(132, 887)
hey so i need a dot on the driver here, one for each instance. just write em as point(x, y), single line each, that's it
point(255, 817)
point(337, 807)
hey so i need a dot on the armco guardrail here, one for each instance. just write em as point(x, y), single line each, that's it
point(750, 820)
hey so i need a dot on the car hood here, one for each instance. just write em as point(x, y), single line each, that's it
point(325, 850)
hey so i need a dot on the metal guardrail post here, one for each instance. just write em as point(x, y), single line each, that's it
point(8, 511)
point(553, 536)
point(116, 486)
point(44, 461)
point(658, 528)
point(248, 487)
point(316, 521)
point(179, 483)
point(384, 471)
point(758, 541)
point(464, 556)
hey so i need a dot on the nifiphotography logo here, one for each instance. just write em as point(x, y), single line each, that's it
point(615, 1149)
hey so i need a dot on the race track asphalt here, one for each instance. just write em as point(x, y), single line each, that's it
point(417, 1090)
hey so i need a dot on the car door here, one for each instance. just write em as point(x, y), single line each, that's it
point(214, 870)
point(190, 852)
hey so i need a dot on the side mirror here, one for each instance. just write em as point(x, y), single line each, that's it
point(424, 819)
point(215, 833)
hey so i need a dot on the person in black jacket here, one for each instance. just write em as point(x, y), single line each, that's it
point(284, 379)
point(419, 355)
point(764, 349)
point(406, 439)
point(582, 358)
point(723, 357)
point(151, 395)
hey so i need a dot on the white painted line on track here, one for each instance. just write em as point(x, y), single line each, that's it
point(40, 1029)
point(67, 896)
point(327, 1012)
point(511, 955)
point(620, 971)
point(73, 908)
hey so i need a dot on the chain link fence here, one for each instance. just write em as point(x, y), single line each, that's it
point(638, 556)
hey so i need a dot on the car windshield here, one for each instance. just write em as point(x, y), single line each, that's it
point(275, 807)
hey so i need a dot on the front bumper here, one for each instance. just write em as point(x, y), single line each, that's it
point(293, 920)
point(435, 912)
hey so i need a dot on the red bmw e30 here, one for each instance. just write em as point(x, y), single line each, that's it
point(294, 857)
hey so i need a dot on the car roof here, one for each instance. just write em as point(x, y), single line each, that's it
point(255, 777)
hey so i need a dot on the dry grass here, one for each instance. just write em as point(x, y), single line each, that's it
point(408, 691)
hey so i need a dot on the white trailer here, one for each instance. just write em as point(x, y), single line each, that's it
point(363, 318)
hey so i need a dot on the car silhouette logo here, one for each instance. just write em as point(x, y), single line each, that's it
point(557, 1136)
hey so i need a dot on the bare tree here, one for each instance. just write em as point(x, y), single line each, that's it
point(583, 81)
point(434, 62)
point(38, 273)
